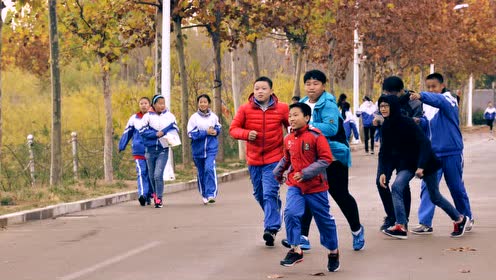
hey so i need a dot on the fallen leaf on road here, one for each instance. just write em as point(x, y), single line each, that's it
point(461, 249)
point(463, 270)
point(275, 276)
point(318, 274)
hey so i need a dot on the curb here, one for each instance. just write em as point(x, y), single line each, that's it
point(108, 200)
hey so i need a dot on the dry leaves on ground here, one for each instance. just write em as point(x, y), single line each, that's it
point(318, 274)
point(461, 249)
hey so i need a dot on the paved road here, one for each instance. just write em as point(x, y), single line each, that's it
point(186, 240)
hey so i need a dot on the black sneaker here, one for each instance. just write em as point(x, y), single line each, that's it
point(142, 200)
point(459, 228)
point(292, 258)
point(388, 222)
point(333, 262)
point(396, 231)
point(269, 237)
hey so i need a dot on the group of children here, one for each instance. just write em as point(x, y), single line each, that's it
point(149, 129)
point(313, 159)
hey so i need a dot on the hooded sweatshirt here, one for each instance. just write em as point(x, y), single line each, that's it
point(404, 144)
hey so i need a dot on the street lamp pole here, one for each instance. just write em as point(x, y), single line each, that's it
point(166, 79)
point(470, 80)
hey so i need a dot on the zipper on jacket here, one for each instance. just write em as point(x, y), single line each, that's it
point(263, 138)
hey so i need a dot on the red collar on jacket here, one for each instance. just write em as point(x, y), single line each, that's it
point(300, 131)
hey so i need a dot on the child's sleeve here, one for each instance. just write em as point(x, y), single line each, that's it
point(127, 135)
point(171, 126)
point(324, 159)
point(145, 130)
point(193, 131)
point(283, 164)
point(440, 101)
point(237, 128)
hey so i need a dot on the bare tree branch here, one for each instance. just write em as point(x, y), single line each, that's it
point(82, 17)
point(195, 25)
point(149, 3)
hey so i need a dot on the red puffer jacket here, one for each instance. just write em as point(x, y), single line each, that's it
point(269, 125)
point(306, 150)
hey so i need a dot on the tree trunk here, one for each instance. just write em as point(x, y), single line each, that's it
point(236, 91)
point(184, 89)
point(330, 74)
point(218, 89)
point(253, 52)
point(107, 101)
point(422, 78)
point(158, 50)
point(411, 84)
point(299, 62)
point(1, 125)
point(56, 141)
point(370, 71)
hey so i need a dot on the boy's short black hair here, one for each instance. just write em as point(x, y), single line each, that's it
point(366, 98)
point(204, 96)
point(315, 75)
point(435, 76)
point(305, 109)
point(295, 98)
point(264, 79)
point(392, 84)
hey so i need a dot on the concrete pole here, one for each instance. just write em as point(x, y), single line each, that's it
point(166, 80)
point(431, 68)
point(356, 74)
point(31, 158)
point(74, 155)
point(469, 99)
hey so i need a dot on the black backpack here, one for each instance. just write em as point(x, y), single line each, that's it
point(341, 135)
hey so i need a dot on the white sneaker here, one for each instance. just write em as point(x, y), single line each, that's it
point(205, 200)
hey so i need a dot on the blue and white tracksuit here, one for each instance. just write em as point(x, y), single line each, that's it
point(204, 148)
point(138, 149)
point(156, 154)
point(441, 124)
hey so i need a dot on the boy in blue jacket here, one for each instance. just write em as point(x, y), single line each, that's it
point(132, 131)
point(442, 126)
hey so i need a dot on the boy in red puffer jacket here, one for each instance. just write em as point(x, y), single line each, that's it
point(307, 152)
point(261, 122)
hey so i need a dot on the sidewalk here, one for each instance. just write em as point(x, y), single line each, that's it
point(82, 205)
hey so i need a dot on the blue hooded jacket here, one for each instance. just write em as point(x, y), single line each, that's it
point(441, 123)
point(325, 117)
point(132, 131)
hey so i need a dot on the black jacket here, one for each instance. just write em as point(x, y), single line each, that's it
point(404, 144)
point(411, 108)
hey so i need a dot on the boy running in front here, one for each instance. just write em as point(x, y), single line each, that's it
point(307, 152)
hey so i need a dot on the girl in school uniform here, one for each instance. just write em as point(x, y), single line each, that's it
point(203, 129)
point(156, 124)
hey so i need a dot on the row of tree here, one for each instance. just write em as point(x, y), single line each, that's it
point(398, 37)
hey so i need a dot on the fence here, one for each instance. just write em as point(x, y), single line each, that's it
point(82, 158)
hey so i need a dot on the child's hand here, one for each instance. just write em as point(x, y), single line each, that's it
point(382, 181)
point(252, 135)
point(419, 173)
point(414, 96)
point(298, 177)
point(160, 133)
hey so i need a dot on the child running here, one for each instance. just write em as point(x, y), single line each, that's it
point(406, 149)
point(442, 126)
point(489, 115)
point(203, 129)
point(132, 132)
point(307, 152)
point(155, 125)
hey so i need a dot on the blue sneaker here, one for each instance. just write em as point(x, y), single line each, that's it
point(304, 243)
point(359, 240)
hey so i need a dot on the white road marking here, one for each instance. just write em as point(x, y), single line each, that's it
point(109, 262)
